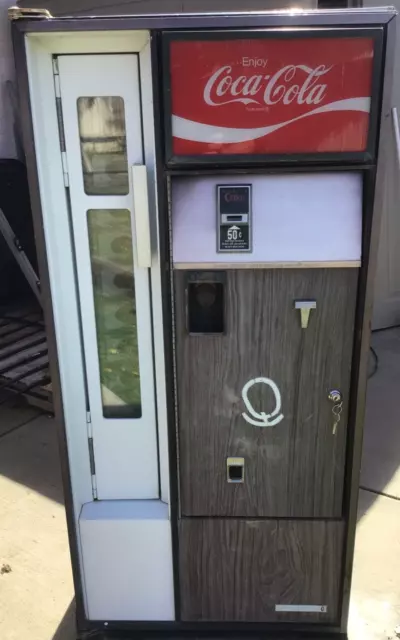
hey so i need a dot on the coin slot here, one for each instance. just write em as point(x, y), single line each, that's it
point(235, 470)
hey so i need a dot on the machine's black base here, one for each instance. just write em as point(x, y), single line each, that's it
point(289, 635)
point(189, 631)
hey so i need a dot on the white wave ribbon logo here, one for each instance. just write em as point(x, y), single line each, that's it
point(213, 134)
point(262, 419)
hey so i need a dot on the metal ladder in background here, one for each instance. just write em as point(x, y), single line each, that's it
point(20, 256)
point(24, 364)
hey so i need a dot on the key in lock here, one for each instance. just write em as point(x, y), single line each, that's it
point(335, 395)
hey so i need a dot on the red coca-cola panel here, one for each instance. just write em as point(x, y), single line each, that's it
point(265, 95)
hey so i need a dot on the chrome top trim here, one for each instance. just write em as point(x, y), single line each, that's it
point(250, 19)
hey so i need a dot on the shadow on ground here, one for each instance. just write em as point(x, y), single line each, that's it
point(380, 470)
point(67, 628)
point(29, 450)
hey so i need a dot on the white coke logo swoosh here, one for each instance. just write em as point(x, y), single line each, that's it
point(215, 134)
point(285, 86)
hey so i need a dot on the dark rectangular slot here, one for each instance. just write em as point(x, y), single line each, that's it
point(235, 473)
point(205, 307)
point(234, 218)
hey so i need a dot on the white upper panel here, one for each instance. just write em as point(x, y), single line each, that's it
point(308, 217)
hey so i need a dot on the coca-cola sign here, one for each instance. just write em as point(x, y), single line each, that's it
point(286, 86)
point(265, 95)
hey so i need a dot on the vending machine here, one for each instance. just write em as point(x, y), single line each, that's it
point(207, 193)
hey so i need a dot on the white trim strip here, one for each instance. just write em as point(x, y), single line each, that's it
point(200, 132)
point(339, 264)
point(141, 216)
point(301, 608)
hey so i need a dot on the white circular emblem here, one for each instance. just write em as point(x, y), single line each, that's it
point(262, 419)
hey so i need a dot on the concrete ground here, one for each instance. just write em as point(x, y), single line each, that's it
point(375, 603)
point(36, 592)
point(36, 589)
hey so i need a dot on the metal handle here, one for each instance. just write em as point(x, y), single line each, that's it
point(305, 307)
point(141, 215)
point(395, 121)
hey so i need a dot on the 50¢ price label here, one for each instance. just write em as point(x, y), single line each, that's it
point(234, 238)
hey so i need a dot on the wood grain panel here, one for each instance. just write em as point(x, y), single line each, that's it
point(296, 468)
point(238, 570)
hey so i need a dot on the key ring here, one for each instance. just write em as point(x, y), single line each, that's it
point(337, 409)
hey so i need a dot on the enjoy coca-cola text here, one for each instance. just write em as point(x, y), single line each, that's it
point(291, 83)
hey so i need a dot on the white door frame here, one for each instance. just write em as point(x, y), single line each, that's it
point(40, 49)
point(124, 448)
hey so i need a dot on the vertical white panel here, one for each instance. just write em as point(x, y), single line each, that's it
point(156, 284)
point(125, 449)
point(61, 271)
point(127, 560)
point(142, 226)
point(145, 537)
point(61, 268)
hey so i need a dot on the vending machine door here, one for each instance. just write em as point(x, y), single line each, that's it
point(103, 139)
point(260, 433)
point(265, 289)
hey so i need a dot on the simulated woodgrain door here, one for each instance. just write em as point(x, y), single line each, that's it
point(233, 328)
point(260, 570)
